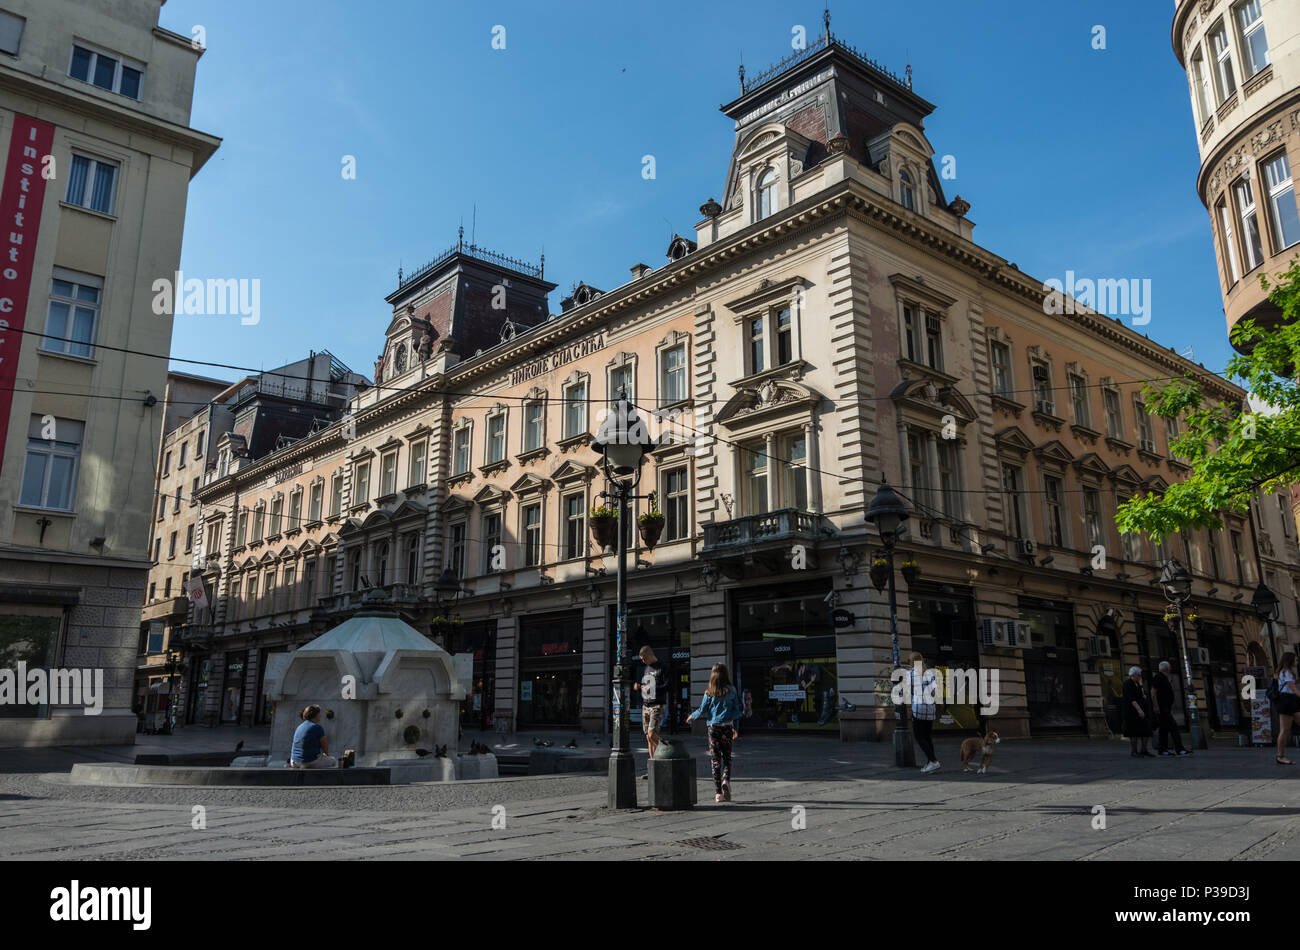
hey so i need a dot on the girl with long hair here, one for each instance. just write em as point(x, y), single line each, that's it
point(1288, 704)
point(723, 710)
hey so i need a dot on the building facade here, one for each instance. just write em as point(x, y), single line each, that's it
point(831, 322)
point(1243, 67)
point(95, 121)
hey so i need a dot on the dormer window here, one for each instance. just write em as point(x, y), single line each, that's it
point(906, 191)
point(766, 189)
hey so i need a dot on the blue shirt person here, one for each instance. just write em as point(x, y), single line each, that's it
point(310, 745)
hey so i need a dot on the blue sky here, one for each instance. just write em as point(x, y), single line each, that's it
point(1072, 158)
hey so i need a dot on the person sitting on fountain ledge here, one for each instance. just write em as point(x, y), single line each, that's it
point(310, 747)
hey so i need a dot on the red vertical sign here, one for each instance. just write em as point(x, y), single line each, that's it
point(21, 200)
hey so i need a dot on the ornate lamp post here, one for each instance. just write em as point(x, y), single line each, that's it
point(174, 666)
point(1266, 607)
point(1177, 584)
point(622, 442)
point(446, 590)
point(888, 513)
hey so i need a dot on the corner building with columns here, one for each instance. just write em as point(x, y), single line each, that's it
point(832, 321)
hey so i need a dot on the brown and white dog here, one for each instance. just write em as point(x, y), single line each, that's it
point(974, 745)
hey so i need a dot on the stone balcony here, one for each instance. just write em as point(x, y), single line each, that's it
point(766, 539)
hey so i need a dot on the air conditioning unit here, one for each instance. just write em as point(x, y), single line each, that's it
point(1026, 547)
point(1018, 634)
point(1098, 646)
point(1045, 406)
point(1198, 656)
point(931, 324)
point(993, 632)
point(1149, 445)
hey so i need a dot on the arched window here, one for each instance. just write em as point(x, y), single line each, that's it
point(401, 358)
point(766, 194)
point(381, 563)
point(906, 193)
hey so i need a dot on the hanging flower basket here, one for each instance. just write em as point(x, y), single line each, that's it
point(879, 573)
point(651, 524)
point(1193, 618)
point(911, 571)
point(604, 525)
point(1171, 619)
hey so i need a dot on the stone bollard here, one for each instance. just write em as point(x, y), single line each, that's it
point(671, 777)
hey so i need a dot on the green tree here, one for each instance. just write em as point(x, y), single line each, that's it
point(1231, 450)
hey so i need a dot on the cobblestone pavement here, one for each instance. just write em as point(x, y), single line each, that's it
point(1037, 801)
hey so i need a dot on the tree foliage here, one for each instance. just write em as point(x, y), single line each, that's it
point(1232, 450)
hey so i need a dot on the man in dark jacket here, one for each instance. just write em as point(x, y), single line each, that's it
point(1162, 699)
point(654, 695)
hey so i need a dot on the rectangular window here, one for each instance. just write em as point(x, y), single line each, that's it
point(622, 383)
point(1043, 400)
point(1229, 237)
point(1055, 501)
point(92, 183)
point(1114, 424)
point(1012, 486)
point(11, 32)
point(50, 469)
point(157, 550)
point(496, 438)
point(1146, 438)
point(315, 503)
point(1001, 358)
point(674, 375)
point(1201, 93)
point(176, 503)
point(241, 532)
point(290, 579)
point(361, 492)
point(1235, 538)
point(416, 474)
point(933, 342)
point(1282, 203)
point(1285, 509)
point(491, 541)
point(575, 409)
point(575, 518)
point(532, 516)
point(106, 72)
point(167, 463)
point(794, 452)
point(1128, 542)
point(295, 510)
point(194, 492)
point(198, 444)
point(171, 546)
point(917, 467)
point(236, 598)
point(73, 314)
point(1250, 236)
point(167, 588)
point(309, 583)
point(259, 522)
point(184, 449)
point(388, 474)
point(460, 454)
point(753, 464)
point(534, 426)
point(213, 546)
point(909, 334)
point(277, 516)
point(189, 538)
point(336, 496)
point(1225, 84)
point(677, 504)
point(948, 484)
point(784, 337)
point(412, 548)
point(757, 348)
point(1092, 516)
point(1079, 399)
point(1254, 41)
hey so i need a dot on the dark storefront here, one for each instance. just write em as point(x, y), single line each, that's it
point(786, 659)
point(943, 631)
point(1052, 683)
point(1157, 644)
point(550, 670)
point(1111, 673)
point(200, 669)
point(1217, 680)
point(232, 689)
point(480, 639)
point(664, 626)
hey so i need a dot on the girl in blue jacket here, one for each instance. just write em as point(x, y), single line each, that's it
point(722, 707)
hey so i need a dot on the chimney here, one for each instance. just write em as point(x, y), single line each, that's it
point(640, 270)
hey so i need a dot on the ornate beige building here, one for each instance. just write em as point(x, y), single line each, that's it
point(832, 322)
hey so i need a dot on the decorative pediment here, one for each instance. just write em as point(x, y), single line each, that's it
point(766, 294)
point(249, 564)
point(456, 505)
point(1055, 452)
point(375, 519)
point(417, 432)
point(267, 558)
point(490, 495)
point(771, 398)
point(329, 540)
point(408, 509)
point(1127, 476)
point(571, 471)
point(1155, 484)
point(761, 140)
point(309, 547)
point(673, 338)
point(939, 399)
point(287, 553)
point(349, 527)
point(1091, 464)
point(1012, 439)
point(529, 484)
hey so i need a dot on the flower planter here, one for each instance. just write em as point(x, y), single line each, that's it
point(605, 531)
point(879, 574)
point(651, 529)
point(910, 573)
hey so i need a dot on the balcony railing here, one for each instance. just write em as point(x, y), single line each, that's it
point(400, 595)
point(783, 525)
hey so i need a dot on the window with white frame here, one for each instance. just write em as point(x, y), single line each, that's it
point(676, 504)
point(672, 380)
point(906, 190)
point(794, 464)
point(949, 477)
point(496, 437)
point(1000, 357)
point(1201, 92)
point(189, 538)
point(241, 534)
point(491, 540)
point(316, 501)
point(73, 315)
point(531, 516)
point(361, 482)
point(1254, 40)
point(1146, 438)
point(622, 382)
point(922, 337)
point(415, 474)
point(575, 408)
point(1054, 499)
point(784, 336)
point(917, 468)
point(295, 509)
point(92, 183)
point(1282, 202)
point(766, 194)
point(388, 473)
point(1079, 400)
point(107, 71)
point(259, 520)
point(1250, 236)
point(1224, 82)
point(184, 450)
point(757, 346)
point(50, 468)
point(1114, 421)
point(456, 550)
point(534, 425)
point(575, 526)
point(277, 515)
point(411, 549)
point(1042, 377)
point(753, 469)
point(336, 496)
point(1229, 236)
point(460, 451)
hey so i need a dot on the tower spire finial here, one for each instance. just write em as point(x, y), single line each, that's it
point(909, 70)
point(742, 71)
point(826, 21)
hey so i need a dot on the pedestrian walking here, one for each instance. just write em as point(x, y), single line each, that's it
point(1162, 702)
point(1288, 704)
point(722, 709)
point(1137, 719)
point(924, 689)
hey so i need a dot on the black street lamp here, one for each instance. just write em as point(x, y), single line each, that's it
point(173, 666)
point(888, 513)
point(1177, 584)
point(1266, 607)
point(623, 443)
point(446, 590)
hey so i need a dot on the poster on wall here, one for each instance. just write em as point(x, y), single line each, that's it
point(1112, 694)
point(1261, 710)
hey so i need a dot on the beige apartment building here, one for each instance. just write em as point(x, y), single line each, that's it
point(95, 102)
point(831, 322)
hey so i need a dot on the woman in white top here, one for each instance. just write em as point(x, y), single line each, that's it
point(1288, 704)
